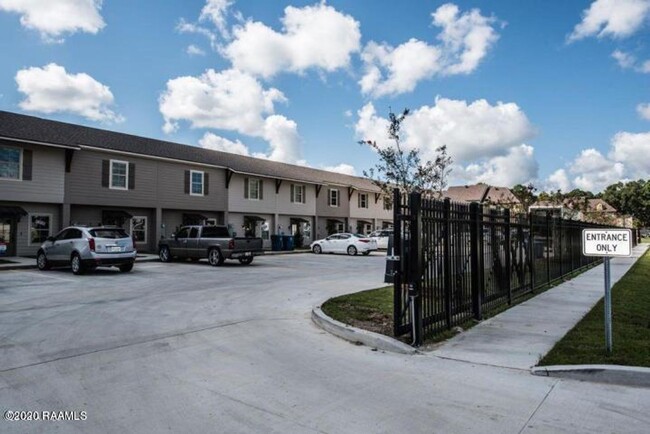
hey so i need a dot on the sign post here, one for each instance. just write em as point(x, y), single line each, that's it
point(607, 243)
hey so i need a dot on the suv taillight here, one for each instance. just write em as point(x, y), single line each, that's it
point(231, 244)
point(91, 244)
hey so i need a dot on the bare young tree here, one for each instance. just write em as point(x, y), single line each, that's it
point(406, 170)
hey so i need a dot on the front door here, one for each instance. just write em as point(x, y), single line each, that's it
point(8, 236)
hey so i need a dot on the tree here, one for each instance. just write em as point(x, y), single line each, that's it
point(525, 194)
point(632, 198)
point(405, 170)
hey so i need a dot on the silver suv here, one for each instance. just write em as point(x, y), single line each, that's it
point(86, 248)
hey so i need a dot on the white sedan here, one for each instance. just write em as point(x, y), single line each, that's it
point(344, 243)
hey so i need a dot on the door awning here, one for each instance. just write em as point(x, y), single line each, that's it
point(335, 221)
point(110, 214)
point(364, 222)
point(194, 216)
point(299, 220)
point(12, 211)
point(254, 218)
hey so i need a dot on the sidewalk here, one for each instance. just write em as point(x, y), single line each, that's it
point(519, 337)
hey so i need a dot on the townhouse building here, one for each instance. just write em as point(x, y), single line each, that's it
point(53, 174)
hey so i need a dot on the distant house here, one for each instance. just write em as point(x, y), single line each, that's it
point(484, 194)
point(595, 210)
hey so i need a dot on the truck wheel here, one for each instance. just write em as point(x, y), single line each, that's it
point(215, 258)
point(246, 261)
point(76, 264)
point(164, 254)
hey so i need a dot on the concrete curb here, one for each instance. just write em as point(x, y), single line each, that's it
point(353, 334)
point(612, 374)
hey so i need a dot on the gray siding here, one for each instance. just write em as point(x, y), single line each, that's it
point(238, 203)
point(171, 188)
point(23, 245)
point(48, 174)
point(322, 205)
point(285, 206)
point(374, 210)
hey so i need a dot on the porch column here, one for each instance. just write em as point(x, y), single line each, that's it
point(65, 216)
point(159, 229)
point(276, 223)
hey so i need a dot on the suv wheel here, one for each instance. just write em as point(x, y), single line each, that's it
point(215, 258)
point(76, 264)
point(126, 267)
point(42, 262)
point(164, 254)
point(352, 251)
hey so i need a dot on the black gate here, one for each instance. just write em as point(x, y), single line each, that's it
point(455, 261)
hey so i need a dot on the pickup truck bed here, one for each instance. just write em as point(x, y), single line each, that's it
point(211, 242)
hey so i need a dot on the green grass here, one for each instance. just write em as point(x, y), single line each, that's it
point(645, 240)
point(585, 343)
point(371, 310)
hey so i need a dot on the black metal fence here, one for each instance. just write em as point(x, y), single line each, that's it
point(457, 260)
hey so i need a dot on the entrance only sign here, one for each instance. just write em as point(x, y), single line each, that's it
point(607, 242)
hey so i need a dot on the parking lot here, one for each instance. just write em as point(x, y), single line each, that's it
point(186, 347)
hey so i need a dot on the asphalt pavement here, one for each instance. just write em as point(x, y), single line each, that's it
point(190, 348)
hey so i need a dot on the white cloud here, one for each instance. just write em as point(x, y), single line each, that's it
point(559, 180)
point(52, 90)
point(470, 130)
point(55, 18)
point(230, 100)
point(343, 168)
point(216, 11)
point(187, 27)
point(644, 110)
point(629, 61)
point(517, 166)
point(613, 18)
point(465, 39)
point(235, 101)
point(315, 36)
point(193, 50)
point(593, 171)
point(218, 143)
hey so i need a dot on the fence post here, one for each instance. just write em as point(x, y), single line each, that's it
point(415, 259)
point(475, 236)
point(447, 260)
point(548, 240)
point(399, 266)
point(560, 232)
point(531, 250)
point(508, 258)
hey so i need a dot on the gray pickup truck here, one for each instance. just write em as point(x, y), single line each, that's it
point(212, 242)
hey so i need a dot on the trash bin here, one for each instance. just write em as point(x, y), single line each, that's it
point(276, 243)
point(287, 242)
point(3, 248)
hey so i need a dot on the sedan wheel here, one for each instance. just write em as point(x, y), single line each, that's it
point(317, 249)
point(41, 261)
point(352, 251)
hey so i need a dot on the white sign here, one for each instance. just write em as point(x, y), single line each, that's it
point(607, 242)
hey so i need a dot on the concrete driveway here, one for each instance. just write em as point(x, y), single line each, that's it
point(191, 348)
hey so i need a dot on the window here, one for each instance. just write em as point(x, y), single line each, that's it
point(340, 227)
point(10, 163)
point(73, 234)
point(139, 229)
point(215, 232)
point(388, 205)
point(183, 233)
point(194, 233)
point(254, 189)
point(297, 193)
point(334, 197)
point(119, 175)
point(40, 226)
point(113, 234)
point(363, 200)
point(196, 187)
point(211, 222)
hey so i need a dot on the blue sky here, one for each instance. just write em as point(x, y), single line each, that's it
point(551, 92)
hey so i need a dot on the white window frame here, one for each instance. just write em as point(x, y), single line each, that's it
point(146, 227)
point(211, 221)
point(110, 175)
point(192, 172)
point(250, 185)
point(296, 188)
point(385, 201)
point(29, 226)
point(367, 204)
point(20, 164)
point(338, 197)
